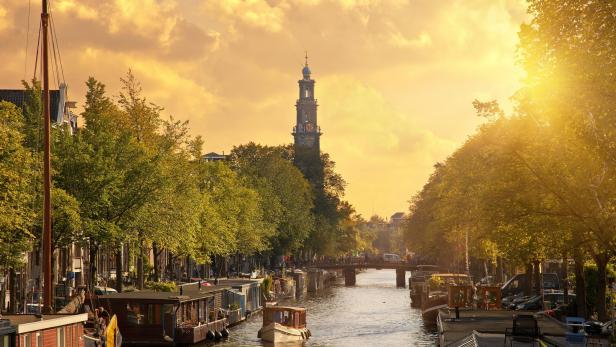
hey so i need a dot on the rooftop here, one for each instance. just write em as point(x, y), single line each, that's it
point(18, 98)
point(285, 308)
point(33, 322)
point(187, 294)
point(397, 215)
point(236, 282)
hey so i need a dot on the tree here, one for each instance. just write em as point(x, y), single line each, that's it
point(231, 215)
point(109, 171)
point(567, 53)
point(286, 197)
point(16, 187)
point(16, 194)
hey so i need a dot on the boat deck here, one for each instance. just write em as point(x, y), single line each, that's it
point(490, 326)
point(489, 340)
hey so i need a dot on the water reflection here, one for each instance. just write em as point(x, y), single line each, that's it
point(373, 313)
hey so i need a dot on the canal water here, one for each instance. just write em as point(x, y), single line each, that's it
point(373, 313)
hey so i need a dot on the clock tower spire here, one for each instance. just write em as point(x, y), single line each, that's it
point(306, 131)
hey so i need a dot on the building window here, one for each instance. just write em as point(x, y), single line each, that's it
point(60, 338)
point(69, 336)
point(39, 339)
point(5, 341)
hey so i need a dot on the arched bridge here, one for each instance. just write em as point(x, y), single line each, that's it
point(349, 269)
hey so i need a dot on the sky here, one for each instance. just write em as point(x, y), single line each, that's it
point(395, 79)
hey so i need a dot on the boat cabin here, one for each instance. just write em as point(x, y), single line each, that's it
point(7, 333)
point(440, 281)
point(293, 317)
point(441, 287)
point(245, 294)
point(163, 318)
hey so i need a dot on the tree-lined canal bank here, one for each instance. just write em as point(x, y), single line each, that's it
point(373, 312)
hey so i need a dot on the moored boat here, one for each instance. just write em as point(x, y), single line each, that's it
point(417, 282)
point(284, 324)
point(187, 317)
point(437, 294)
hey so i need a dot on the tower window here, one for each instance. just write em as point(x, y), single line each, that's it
point(307, 93)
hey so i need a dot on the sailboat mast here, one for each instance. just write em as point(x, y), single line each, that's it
point(47, 285)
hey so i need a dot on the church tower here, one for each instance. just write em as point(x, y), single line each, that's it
point(306, 131)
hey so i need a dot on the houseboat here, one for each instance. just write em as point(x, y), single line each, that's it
point(169, 318)
point(284, 324)
point(442, 291)
point(242, 300)
point(417, 282)
point(48, 330)
point(7, 333)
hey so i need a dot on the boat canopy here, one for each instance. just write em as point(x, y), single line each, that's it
point(451, 278)
point(294, 317)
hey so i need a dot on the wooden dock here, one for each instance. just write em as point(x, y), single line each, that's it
point(488, 327)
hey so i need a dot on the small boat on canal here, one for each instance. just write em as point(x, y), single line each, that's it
point(169, 319)
point(284, 324)
point(442, 291)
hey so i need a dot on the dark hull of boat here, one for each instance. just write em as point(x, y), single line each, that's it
point(416, 300)
point(429, 315)
point(430, 308)
point(196, 334)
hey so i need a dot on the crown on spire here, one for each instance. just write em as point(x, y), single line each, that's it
point(306, 69)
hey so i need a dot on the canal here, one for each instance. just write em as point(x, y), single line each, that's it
point(373, 313)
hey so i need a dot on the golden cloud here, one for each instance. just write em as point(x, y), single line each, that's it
point(394, 78)
point(4, 22)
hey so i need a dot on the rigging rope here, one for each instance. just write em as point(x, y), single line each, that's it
point(54, 57)
point(27, 40)
point(54, 38)
point(38, 45)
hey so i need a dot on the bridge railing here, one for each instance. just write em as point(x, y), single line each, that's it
point(361, 262)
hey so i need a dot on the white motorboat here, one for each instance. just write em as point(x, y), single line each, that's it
point(284, 324)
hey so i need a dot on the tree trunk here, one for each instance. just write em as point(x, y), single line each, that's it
point(528, 288)
point(580, 283)
point(499, 270)
point(13, 289)
point(238, 265)
point(156, 252)
point(3, 292)
point(118, 266)
point(170, 271)
point(537, 280)
point(54, 270)
point(564, 271)
point(140, 274)
point(93, 250)
point(601, 260)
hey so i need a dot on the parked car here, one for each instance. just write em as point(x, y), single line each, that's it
point(391, 258)
point(518, 282)
point(551, 299)
point(514, 301)
point(486, 280)
point(104, 290)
